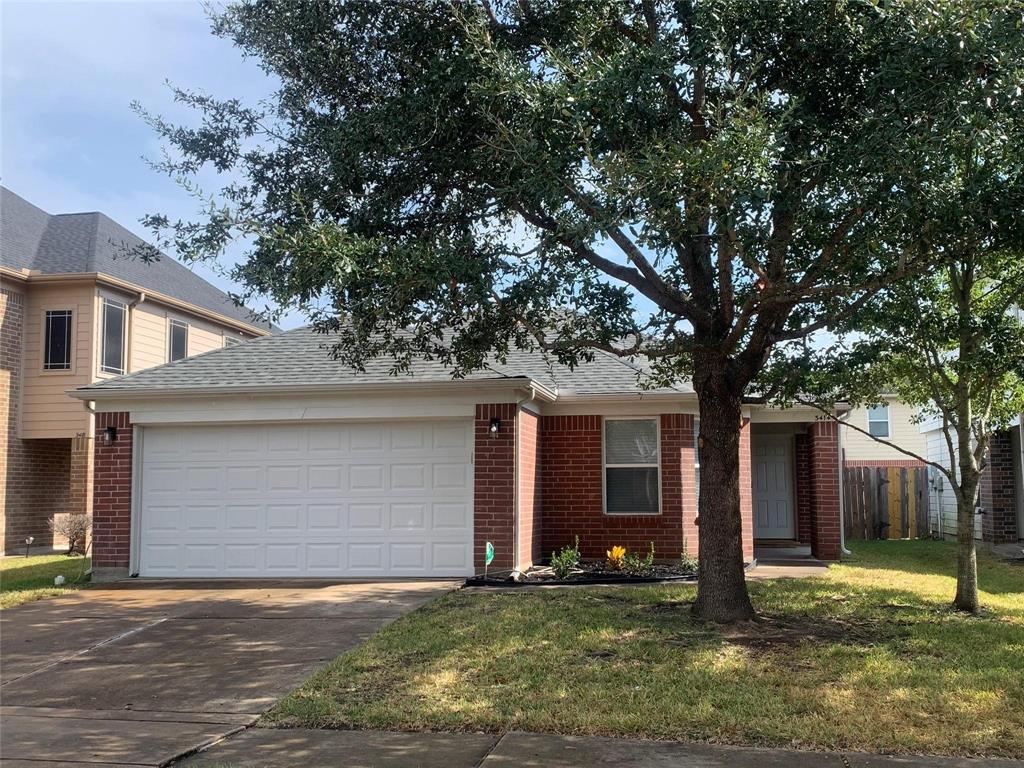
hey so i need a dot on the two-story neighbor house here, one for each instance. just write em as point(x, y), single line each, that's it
point(78, 306)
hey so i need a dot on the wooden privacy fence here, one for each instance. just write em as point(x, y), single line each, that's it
point(886, 502)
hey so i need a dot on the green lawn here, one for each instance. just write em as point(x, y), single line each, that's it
point(868, 657)
point(24, 579)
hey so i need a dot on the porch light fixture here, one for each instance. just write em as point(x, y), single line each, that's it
point(110, 435)
point(495, 427)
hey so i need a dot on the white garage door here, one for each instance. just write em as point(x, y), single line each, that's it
point(359, 500)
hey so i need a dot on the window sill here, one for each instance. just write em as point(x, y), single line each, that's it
point(631, 514)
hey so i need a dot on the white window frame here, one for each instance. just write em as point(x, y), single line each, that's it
point(103, 337)
point(231, 341)
point(173, 323)
point(70, 364)
point(605, 465)
point(888, 420)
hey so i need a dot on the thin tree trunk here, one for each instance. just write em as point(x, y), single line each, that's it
point(721, 583)
point(966, 598)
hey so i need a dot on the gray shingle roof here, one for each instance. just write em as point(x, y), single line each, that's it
point(73, 243)
point(301, 358)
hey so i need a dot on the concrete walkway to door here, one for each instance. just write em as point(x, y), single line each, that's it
point(138, 672)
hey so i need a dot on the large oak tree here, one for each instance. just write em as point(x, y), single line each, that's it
point(690, 183)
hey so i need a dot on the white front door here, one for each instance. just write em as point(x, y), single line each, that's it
point(368, 499)
point(773, 487)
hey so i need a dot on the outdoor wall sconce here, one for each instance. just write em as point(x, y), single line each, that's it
point(110, 435)
point(495, 427)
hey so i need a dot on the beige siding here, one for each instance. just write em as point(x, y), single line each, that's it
point(149, 336)
point(902, 431)
point(203, 337)
point(942, 500)
point(149, 325)
point(47, 411)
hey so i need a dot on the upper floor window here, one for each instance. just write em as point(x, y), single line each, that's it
point(112, 351)
point(230, 341)
point(57, 340)
point(177, 342)
point(632, 483)
point(878, 420)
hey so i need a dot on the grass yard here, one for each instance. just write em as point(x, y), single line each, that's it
point(25, 579)
point(868, 657)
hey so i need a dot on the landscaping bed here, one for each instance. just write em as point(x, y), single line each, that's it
point(596, 572)
point(868, 656)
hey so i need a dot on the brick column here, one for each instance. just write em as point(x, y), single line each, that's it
point(824, 483)
point(998, 493)
point(802, 460)
point(81, 475)
point(746, 492)
point(494, 485)
point(528, 430)
point(112, 498)
point(679, 479)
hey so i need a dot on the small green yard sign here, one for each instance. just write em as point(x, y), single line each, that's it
point(488, 553)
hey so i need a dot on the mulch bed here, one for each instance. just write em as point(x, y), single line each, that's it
point(584, 573)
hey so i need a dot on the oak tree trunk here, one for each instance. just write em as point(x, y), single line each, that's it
point(721, 583)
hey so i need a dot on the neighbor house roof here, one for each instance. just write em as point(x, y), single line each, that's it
point(301, 359)
point(88, 243)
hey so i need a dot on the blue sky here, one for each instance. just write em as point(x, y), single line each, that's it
point(69, 140)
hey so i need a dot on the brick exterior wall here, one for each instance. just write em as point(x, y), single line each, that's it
point(494, 486)
point(998, 493)
point(802, 468)
point(112, 498)
point(824, 486)
point(528, 432)
point(571, 490)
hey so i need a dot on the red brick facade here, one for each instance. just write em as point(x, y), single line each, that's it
point(802, 468)
point(998, 492)
point(112, 499)
point(572, 496)
point(824, 486)
point(494, 485)
point(533, 503)
point(530, 507)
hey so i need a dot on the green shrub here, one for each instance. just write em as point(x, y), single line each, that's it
point(564, 561)
point(686, 561)
point(635, 565)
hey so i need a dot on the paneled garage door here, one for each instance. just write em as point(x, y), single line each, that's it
point(358, 500)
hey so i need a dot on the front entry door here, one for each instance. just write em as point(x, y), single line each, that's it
point(773, 487)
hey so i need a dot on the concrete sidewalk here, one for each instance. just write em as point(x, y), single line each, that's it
point(283, 748)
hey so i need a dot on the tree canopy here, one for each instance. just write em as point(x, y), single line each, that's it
point(694, 183)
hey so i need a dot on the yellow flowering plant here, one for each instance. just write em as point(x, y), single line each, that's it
point(616, 557)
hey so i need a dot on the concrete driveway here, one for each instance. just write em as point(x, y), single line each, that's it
point(139, 672)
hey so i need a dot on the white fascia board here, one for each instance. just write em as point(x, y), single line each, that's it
point(621, 406)
point(405, 388)
point(309, 408)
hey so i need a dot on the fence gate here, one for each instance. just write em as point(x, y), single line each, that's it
point(886, 502)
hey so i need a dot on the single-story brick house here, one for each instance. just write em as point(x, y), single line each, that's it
point(271, 459)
